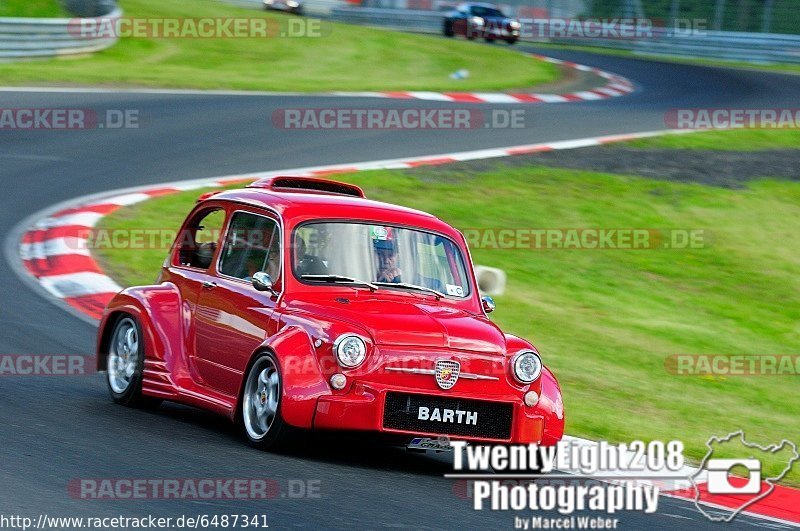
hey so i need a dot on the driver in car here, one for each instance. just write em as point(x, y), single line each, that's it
point(386, 251)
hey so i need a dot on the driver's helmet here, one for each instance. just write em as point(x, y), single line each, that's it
point(383, 238)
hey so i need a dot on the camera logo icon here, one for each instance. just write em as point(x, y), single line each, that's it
point(719, 474)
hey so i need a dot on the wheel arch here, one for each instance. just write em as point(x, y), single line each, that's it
point(150, 307)
point(302, 378)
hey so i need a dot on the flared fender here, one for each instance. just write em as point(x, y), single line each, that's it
point(161, 315)
point(551, 405)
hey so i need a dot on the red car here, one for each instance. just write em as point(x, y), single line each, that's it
point(298, 303)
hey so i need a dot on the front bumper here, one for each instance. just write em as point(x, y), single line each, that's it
point(363, 408)
point(501, 33)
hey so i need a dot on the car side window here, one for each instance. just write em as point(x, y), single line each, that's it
point(252, 244)
point(198, 243)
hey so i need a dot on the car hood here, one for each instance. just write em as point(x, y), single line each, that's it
point(412, 322)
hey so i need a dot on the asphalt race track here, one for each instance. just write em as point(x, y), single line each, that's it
point(56, 429)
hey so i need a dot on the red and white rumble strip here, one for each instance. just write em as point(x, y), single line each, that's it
point(615, 86)
point(54, 250)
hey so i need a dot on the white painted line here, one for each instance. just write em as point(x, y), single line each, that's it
point(54, 247)
point(80, 219)
point(550, 98)
point(496, 98)
point(433, 96)
point(79, 284)
point(572, 144)
point(586, 95)
point(127, 199)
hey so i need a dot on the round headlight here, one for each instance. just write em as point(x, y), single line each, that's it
point(527, 366)
point(350, 350)
point(478, 21)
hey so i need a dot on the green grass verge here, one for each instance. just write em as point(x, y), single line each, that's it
point(727, 140)
point(343, 58)
point(32, 8)
point(605, 320)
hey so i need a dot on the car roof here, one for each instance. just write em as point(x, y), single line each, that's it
point(298, 205)
point(481, 4)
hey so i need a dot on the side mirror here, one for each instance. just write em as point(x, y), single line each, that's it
point(263, 282)
point(488, 304)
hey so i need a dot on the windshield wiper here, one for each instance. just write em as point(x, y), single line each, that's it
point(340, 278)
point(438, 294)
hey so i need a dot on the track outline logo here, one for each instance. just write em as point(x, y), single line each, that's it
point(771, 481)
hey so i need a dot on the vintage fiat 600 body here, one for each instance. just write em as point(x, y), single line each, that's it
point(297, 303)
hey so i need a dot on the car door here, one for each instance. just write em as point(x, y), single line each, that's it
point(232, 318)
point(460, 20)
point(189, 268)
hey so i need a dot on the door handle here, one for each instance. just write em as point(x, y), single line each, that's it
point(209, 285)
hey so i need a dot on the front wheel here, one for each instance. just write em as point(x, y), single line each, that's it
point(260, 405)
point(125, 365)
point(511, 41)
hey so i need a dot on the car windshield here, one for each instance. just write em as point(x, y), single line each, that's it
point(481, 11)
point(384, 256)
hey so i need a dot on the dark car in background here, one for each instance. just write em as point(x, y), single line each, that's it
point(474, 19)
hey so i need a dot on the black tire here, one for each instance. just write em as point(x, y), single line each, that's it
point(125, 364)
point(260, 406)
point(488, 38)
point(511, 42)
point(448, 28)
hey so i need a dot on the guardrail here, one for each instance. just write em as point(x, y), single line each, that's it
point(30, 38)
point(721, 45)
point(417, 21)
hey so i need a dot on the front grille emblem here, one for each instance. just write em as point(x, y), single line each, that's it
point(446, 373)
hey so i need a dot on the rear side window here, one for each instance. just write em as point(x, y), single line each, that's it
point(198, 243)
point(252, 244)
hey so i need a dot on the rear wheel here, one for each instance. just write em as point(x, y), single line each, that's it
point(448, 28)
point(260, 405)
point(125, 365)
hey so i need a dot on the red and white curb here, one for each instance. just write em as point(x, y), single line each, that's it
point(615, 86)
point(54, 251)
